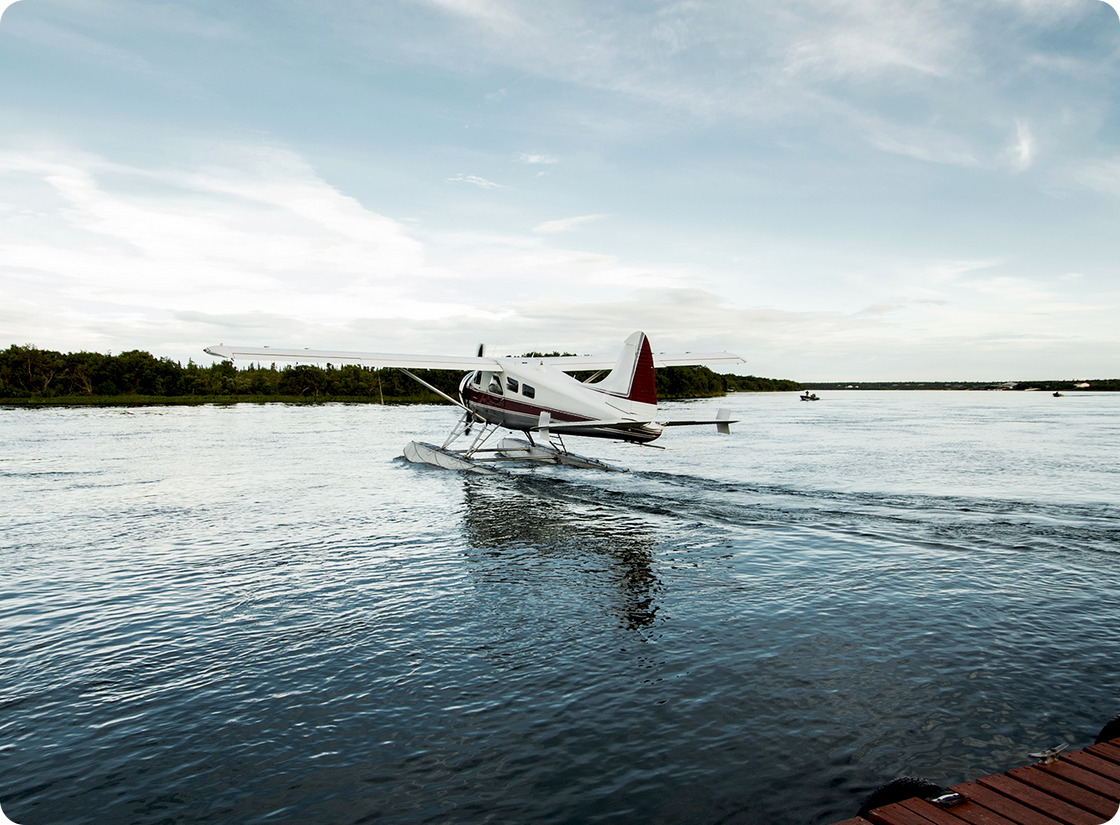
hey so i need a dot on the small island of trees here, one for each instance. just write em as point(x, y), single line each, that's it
point(32, 376)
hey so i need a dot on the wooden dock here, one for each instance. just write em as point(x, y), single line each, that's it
point(1078, 788)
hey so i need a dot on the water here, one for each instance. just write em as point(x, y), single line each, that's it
point(258, 614)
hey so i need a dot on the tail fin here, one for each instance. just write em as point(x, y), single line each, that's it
point(632, 377)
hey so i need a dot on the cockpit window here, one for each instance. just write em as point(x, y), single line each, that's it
point(495, 387)
point(477, 379)
point(511, 384)
point(528, 391)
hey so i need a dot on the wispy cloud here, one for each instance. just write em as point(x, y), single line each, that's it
point(259, 232)
point(565, 224)
point(1050, 9)
point(528, 157)
point(870, 38)
point(1020, 154)
point(1100, 175)
point(912, 65)
point(92, 50)
point(475, 180)
point(926, 142)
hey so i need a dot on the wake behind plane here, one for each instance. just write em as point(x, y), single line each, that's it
point(533, 395)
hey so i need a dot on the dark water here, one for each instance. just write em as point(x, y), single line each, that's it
point(261, 614)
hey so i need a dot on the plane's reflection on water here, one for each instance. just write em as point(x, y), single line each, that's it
point(580, 551)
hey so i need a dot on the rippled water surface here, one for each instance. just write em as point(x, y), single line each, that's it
point(257, 614)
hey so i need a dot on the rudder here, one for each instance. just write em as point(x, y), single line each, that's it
point(633, 376)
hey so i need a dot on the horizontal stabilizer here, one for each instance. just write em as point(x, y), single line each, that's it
point(630, 424)
point(696, 422)
point(723, 422)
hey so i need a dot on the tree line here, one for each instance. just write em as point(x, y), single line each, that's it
point(30, 373)
point(1065, 385)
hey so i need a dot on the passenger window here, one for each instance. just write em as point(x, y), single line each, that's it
point(511, 384)
point(528, 391)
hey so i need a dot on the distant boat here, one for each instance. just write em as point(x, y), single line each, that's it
point(810, 396)
point(1057, 394)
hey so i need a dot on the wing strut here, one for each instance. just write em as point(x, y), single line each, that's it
point(438, 391)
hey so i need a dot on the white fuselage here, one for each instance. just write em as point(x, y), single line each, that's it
point(516, 396)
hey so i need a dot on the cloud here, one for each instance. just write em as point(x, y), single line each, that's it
point(1050, 9)
point(526, 157)
point(565, 224)
point(96, 254)
point(255, 230)
point(932, 76)
point(491, 12)
point(95, 52)
point(1100, 175)
point(476, 181)
point(872, 38)
point(1021, 153)
point(927, 145)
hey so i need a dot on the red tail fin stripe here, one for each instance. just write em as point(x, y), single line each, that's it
point(643, 387)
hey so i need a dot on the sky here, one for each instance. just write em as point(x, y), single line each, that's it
point(860, 190)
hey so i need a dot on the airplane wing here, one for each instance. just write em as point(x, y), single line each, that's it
point(365, 359)
point(575, 363)
point(569, 363)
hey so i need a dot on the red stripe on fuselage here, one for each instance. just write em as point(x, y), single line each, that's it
point(494, 407)
point(500, 402)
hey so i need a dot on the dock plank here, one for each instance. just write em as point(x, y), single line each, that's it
point(1056, 809)
point(1071, 772)
point(934, 813)
point(1000, 804)
point(1106, 750)
point(898, 814)
point(971, 813)
point(963, 812)
point(1067, 791)
point(1089, 762)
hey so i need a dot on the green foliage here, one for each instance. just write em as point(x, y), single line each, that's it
point(753, 383)
point(701, 382)
point(688, 382)
point(43, 375)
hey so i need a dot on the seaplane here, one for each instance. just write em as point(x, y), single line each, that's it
point(536, 396)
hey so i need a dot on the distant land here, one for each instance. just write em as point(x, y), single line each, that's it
point(30, 376)
point(1063, 385)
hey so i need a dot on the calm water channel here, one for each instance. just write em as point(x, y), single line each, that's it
point(261, 614)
